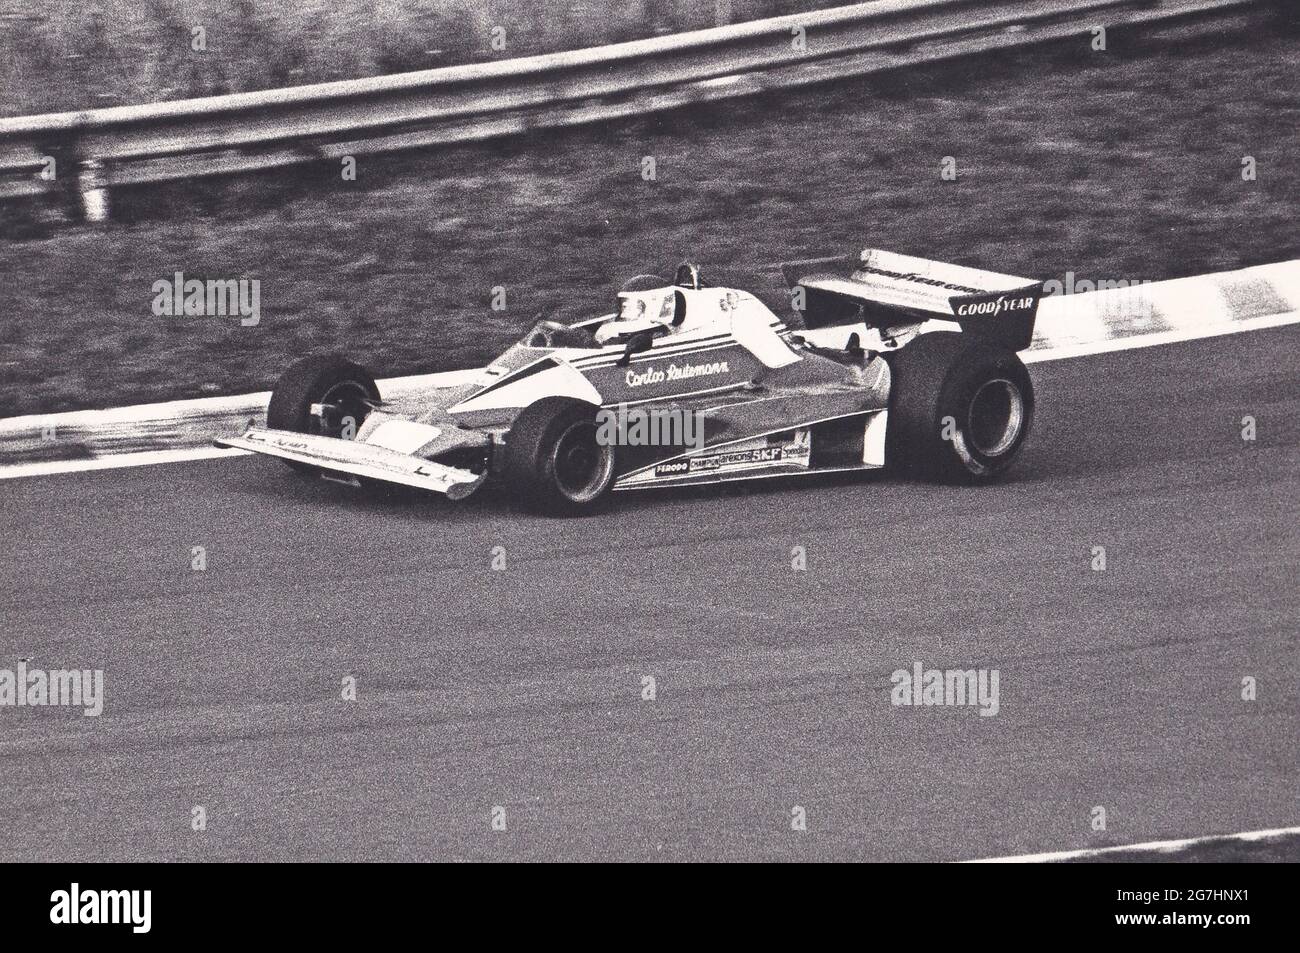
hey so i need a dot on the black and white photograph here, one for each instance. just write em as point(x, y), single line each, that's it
point(686, 431)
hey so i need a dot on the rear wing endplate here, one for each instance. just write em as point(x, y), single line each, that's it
point(887, 289)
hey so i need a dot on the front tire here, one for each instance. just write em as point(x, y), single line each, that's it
point(341, 389)
point(552, 462)
point(960, 409)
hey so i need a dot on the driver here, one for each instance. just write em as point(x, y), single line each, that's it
point(645, 303)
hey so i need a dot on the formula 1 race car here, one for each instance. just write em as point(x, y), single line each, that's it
point(900, 361)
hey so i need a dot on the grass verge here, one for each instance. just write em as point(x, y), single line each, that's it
point(59, 55)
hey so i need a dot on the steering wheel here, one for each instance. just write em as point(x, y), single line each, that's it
point(544, 333)
point(558, 334)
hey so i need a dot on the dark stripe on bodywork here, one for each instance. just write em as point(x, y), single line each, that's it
point(670, 350)
point(544, 364)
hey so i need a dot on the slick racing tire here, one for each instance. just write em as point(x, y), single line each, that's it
point(552, 462)
point(342, 388)
point(960, 409)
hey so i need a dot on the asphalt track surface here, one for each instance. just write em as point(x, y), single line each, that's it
point(522, 688)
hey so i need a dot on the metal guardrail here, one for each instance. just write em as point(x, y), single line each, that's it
point(250, 131)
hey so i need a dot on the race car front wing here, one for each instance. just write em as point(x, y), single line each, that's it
point(357, 459)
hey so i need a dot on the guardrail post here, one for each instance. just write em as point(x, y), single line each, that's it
point(92, 183)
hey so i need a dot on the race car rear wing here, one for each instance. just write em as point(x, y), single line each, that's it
point(885, 289)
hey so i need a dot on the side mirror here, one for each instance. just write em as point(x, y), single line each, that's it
point(641, 341)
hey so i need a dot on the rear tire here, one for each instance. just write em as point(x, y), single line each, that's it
point(552, 462)
point(960, 409)
point(329, 379)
